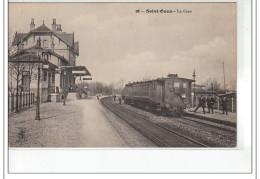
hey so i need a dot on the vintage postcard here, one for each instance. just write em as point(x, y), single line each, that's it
point(122, 75)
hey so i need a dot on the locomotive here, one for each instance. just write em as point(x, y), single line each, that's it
point(164, 95)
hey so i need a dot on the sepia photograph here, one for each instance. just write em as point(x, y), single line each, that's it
point(122, 75)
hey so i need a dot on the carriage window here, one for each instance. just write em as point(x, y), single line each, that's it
point(184, 85)
point(169, 86)
point(176, 87)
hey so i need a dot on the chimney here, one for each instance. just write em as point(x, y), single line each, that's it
point(58, 29)
point(173, 75)
point(54, 25)
point(32, 25)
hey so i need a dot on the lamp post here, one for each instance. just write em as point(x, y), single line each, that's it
point(38, 94)
point(37, 117)
point(64, 92)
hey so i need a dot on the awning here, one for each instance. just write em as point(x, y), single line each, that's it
point(230, 95)
point(77, 70)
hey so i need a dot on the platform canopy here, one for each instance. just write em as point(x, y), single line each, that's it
point(76, 70)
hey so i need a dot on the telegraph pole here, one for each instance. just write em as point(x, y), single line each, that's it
point(224, 77)
point(194, 76)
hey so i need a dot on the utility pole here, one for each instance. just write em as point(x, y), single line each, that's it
point(194, 76)
point(224, 77)
point(212, 88)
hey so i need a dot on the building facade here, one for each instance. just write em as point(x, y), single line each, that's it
point(48, 53)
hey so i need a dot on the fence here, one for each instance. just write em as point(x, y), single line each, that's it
point(231, 104)
point(24, 100)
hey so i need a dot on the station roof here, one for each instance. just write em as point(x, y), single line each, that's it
point(29, 57)
point(232, 94)
point(67, 38)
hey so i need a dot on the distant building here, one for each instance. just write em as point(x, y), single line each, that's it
point(55, 51)
point(198, 88)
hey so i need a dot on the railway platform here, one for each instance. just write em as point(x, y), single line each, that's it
point(217, 116)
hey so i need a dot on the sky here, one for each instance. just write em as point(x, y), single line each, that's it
point(118, 43)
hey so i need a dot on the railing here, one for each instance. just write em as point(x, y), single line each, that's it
point(231, 104)
point(24, 100)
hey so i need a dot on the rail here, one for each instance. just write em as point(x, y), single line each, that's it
point(162, 136)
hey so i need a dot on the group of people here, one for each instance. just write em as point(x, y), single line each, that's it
point(119, 99)
point(209, 101)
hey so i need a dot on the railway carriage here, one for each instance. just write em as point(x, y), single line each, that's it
point(165, 95)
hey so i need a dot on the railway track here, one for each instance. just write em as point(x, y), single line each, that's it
point(161, 135)
point(209, 123)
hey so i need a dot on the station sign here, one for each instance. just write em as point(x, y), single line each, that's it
point(87, 78)
point(45, 66)
point(78, 72)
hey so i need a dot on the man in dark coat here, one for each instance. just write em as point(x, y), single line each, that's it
point(202, 102)
point(224, 105)
point(210, 103)
point(114, 97)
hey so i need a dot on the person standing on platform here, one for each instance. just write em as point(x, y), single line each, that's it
point(224, 105)
point(202, 102)
point(114, 97)
point(210, 103)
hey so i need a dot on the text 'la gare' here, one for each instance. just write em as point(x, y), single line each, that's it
point(167, 11)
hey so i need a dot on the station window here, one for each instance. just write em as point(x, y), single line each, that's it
point(53, 77)
point(46, 57)
point(49, 77)
point(45, 76)
point(184, 85)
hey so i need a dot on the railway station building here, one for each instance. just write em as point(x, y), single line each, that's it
point(49, 54)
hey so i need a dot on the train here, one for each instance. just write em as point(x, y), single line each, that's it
point(163, 95)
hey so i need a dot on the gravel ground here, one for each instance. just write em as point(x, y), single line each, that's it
point(203, 133)
point(81, 123)
point(58, 127)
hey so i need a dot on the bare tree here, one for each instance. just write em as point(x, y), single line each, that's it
point(31, 67)
point(121, 84)
point(111, 87)
point(11, 48)
point(212, 84)
point(17, 69)
point(232, 86)
point(101, 88)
